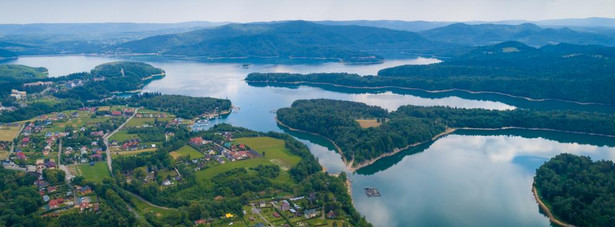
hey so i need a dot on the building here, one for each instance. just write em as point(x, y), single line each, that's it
point(331, 214)
point(38, 83)
point(19, 95)
point(311, 213)
point(54, 204)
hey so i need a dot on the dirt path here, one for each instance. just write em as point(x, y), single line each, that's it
point(546, 210)
point(148, 203)
point(106, 140)
point(262, 217)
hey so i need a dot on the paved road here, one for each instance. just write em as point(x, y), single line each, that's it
point(106, 140)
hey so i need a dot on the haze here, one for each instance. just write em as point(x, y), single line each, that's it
point(65, 11)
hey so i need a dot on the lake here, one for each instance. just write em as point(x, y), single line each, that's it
point(469, 178)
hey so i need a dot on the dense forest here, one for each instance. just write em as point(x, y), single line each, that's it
point(564, 71)
point(336, 120)
point(577, 190)
point(181, 106)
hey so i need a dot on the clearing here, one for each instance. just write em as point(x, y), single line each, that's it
point(95, 173)
point(187, 150)
point(8, 133)
point(368, 123)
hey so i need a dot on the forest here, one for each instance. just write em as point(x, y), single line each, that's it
point(578, 190)
point(581, 73)
point(408, 125)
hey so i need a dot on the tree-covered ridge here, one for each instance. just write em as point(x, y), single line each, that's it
point(181, 106)
point(5, 54)
point(22, 72)
point(577, 190)
point(568, 72)
point(290, 39)
point(131, 69)
point(413, 124)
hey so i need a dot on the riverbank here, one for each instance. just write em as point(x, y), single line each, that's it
point(432, 91)
point(544, 207)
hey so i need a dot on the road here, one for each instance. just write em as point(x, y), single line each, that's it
point(106, 140)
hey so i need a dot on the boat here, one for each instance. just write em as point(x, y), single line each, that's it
point(372, 192)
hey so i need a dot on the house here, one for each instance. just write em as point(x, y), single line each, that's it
point(285, 205)
point(51, 189)
point(41, 183)
point(83, 190)
point(21, 155)
point(116, 113)
point(276, 215)
point(197, 141)
point(18, 94)
point(166, 183)
point(331, 214)
point(25, 140)
point(311, 213)
point(55, 203)
point(68, 150)
point(229, 215)
point(200, 222)
point(84, 205)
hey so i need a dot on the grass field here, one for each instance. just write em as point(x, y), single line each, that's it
point(121, 153)
point(144, 208)
point(275, 154)
point(95, 173)
point(4, 154)
point(122, 135)
point(368, 123)
point(8, 133)
point(187, 151)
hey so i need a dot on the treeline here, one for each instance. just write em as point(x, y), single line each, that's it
point(564, 71)
point(577, 190)
point(131, 69)
point(336, 120)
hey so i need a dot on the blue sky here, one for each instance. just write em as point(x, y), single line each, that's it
point(51, 11)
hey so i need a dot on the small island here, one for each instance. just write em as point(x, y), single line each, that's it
point(364, 134)
point(574, 190)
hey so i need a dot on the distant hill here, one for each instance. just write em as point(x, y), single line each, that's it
point(22, 72)
point(292, 39)
point(5, 54)
point(412, 26)
point(531, 34)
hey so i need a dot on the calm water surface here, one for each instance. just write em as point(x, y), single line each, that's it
point(465, 179)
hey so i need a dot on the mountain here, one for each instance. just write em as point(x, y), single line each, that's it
point(5, 54)
point(412, 26)
point(97, 29)
point(291, 39)
point(531, 34)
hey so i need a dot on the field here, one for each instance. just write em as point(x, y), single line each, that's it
point(368, 123)
point(122, 135)
point(8, 133)
point(144, 208)
point(95, 173)
point(275, 153)
point(121, 153)
point(4, 154)
point(187, 151)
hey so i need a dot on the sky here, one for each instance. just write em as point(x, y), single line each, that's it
point(157, 11)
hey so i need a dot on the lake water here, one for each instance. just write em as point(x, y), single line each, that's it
point(465, 179)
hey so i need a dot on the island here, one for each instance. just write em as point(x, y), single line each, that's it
point(364, 134)
point(574, 190)
point(566, 72)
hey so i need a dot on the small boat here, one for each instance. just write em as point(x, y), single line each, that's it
point(372, 192)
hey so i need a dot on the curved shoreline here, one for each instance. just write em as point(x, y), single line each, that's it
point(432, 91)
point(351, 167)
point(544, 207)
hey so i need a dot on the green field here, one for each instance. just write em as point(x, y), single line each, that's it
point(144, 208)
point(187, 151)
point(95, 173)
point(275, 154)
point(122, 135)
point(8, 133)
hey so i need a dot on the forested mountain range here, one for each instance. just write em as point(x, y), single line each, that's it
point(293, 39)
point(530, 34)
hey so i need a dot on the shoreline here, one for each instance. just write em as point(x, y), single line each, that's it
point(544, 207)
point(351, 167)
point(434, 91)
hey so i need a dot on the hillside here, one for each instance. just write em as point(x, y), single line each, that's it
point(293, 39)
point(530, 34)
point(22, 72)
point(5, 54)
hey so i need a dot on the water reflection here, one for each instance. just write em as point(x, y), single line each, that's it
point(464, 180)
